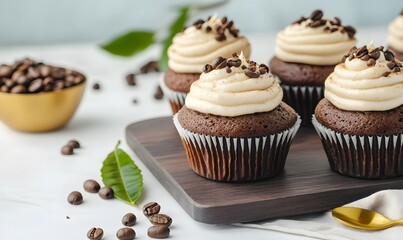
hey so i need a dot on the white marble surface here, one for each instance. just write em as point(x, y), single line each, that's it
point(35, 178)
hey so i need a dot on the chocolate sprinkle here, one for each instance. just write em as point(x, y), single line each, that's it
point(207, 68)
point(371, 62)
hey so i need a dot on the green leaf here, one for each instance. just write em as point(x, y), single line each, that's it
point(130, 43)
point(177, 26)
point(121, 174)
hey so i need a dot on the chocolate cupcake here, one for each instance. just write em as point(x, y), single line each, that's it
point(234, 126)
point(305, 55)
point(360, 120)
point(395, 37)
point(191, 49)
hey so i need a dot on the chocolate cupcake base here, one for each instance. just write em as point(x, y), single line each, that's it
point(176, 99)
point(303, 99)
point(362, 156)
point(230, 159)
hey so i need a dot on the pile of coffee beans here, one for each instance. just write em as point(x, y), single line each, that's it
point(161, 222)
point(68, 149)
point(28, 76)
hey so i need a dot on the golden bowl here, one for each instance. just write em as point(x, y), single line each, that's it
point(40, 112)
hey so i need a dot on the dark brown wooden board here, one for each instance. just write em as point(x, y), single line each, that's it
point(306, 186)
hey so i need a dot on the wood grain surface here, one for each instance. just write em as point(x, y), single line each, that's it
point(306, 186)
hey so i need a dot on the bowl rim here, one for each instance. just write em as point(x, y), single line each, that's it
point(44, 93)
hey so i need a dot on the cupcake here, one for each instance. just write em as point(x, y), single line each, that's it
point(234, 126)
point(192, 49)
point(395, 37)
point(360, 120)
point(306, 53)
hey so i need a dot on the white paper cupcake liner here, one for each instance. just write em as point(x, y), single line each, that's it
point(176, 99)
point(362, 156)
point(303, 99)
point(232, 159)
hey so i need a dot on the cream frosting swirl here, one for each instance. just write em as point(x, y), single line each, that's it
point(223, 93)
point(395, 37)
point(301, 43)
point(355, 86)
point(194, 47)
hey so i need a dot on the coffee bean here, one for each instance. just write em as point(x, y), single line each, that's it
point(95, 233)
point(208, 29)
point(365, 58)
point(33, 73)
point(375, 54)
point(317, 23)
point(6, 71)
point(396, 69)
point(73, 144)
point(263, 69)
point(234, 62)
point(299, 21)
point(361, 51)
point(207, 68)
point(159, 232)
point(151, 66)
point(129, 219)
point(4, 89)
point(161, 220)
point(91, 186)
point(59, 85)
point(217, 62)
point(316, 15)
point(159, 94)
point(23, 80)
point(350, 31)
point(391, 65)
point(224, 20)
point(385, 74)
point(58, 73)
point(67, 150)
point(389, 56)
point(106, 193)
point(371, 62)
point(44, 70)
point(131, 79)
point(35, 86)
point(228, 70)
point(75, 198)
point(19, 89)
point(221, 37)
point(336, 21)
point(96, 86)
point(126, 234)
point(151, 208)
point(16, 75)
point(251, 74)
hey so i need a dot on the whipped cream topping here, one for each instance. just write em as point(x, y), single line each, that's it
point(315, 40)
point(234, 87)
point(370, 79)
point(395, 37)
point(204, 41)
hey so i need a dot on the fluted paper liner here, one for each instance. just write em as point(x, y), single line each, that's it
point(232, 159)
point(176, 99)
point(362, 156)
point(303, 99)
